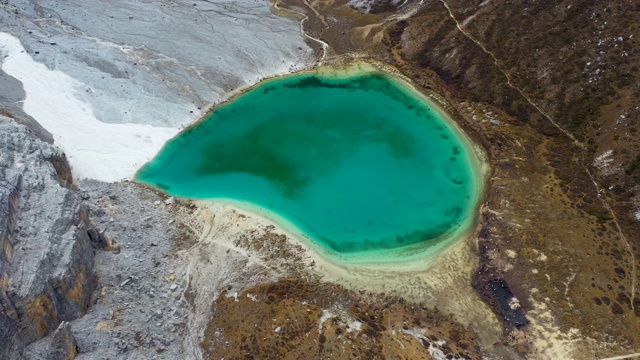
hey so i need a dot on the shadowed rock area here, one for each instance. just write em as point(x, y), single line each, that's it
point(46, 262)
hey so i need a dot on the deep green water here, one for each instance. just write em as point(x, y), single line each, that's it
point(357, 163)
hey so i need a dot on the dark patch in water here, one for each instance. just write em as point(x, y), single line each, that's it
point(454, 212)
point(255, 152)
point(456, 150)
point(410, 239)
point(315, 82)
point(457, 182)
point(223, 157)
point(163, 186)
point(370, 82)
point(444, 136)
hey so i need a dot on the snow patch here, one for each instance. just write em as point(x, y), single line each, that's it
point(95, 150)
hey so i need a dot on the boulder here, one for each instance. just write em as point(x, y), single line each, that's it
point(63, 345)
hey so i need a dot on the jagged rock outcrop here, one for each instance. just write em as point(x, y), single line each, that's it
point(63, 343)
point(46, 257)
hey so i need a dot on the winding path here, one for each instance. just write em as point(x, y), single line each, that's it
point(325, 46)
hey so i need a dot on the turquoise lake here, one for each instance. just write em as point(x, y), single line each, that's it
point(358, 163)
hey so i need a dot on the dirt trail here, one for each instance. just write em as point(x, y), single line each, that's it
point(324, 45)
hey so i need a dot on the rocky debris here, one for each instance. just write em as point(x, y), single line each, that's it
point(59, 345)
point(46, 262)
point(11, 99)
point(63, 344)
point(101, 241)
point(9, 182)
point(139, 309)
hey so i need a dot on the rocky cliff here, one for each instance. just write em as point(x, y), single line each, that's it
point(47, 256)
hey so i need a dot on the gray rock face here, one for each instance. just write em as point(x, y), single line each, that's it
point(9, 182)
point(60, 345)
point(12, 96)
point(47, 258)
point(63, 344)
point(153, 62)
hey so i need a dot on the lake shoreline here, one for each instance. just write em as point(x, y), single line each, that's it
point(406, 258)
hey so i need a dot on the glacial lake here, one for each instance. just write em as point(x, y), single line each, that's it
point(358, 163)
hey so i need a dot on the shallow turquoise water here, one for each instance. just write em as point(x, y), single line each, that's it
point(357, 163)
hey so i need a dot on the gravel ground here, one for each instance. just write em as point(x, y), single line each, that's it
point(138, 309)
